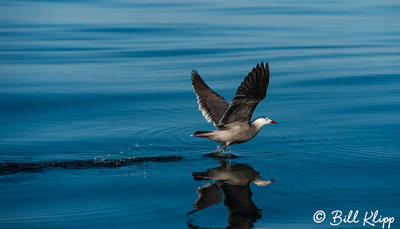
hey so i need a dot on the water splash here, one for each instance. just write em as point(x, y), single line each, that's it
point(16, 167)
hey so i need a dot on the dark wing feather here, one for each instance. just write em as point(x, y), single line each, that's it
point(252, 90)
point(211, 105)
point(208, 195)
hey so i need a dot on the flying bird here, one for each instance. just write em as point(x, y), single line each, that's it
point(233, 121)
point(232, 185)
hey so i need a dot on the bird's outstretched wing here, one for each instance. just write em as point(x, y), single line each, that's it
point(252, 90)
point(208, 195)
point(211, 105)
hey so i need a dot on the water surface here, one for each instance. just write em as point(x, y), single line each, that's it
point(107, 81)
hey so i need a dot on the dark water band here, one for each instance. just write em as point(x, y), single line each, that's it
point(15, 167)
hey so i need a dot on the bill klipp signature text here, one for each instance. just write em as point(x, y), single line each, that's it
point(370, 218)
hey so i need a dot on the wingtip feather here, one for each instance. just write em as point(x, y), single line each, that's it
point(194, 73)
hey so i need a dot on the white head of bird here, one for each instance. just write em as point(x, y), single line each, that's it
point(260, 122)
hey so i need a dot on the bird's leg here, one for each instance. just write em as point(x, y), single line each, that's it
point(219, 148)
point(222, 161)
point(222, 153)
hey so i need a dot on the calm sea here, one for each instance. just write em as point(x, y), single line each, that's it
point(97, 108)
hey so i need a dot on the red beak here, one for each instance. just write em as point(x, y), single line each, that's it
point(273, 122)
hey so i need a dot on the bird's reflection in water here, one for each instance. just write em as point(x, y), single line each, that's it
point(232, 182)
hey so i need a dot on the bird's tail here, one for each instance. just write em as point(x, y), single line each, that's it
point(200, 176)
point(202, 134)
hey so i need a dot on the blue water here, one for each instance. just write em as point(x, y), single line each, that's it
point(104, 81)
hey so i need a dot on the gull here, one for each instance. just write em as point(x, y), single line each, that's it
point(233, 121)
point(232, 184)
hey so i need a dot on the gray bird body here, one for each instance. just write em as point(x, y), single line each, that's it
point(232, 133)
point(233, 121)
